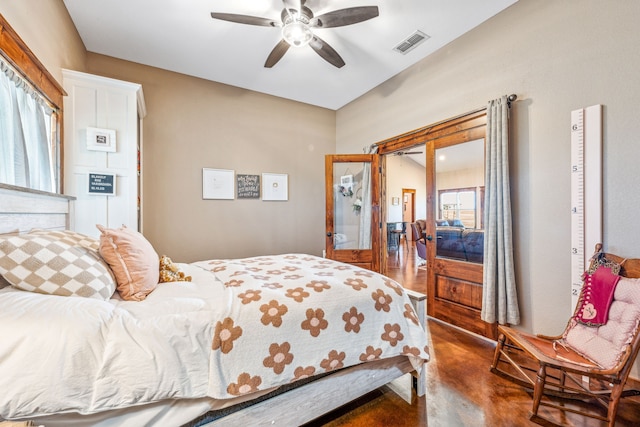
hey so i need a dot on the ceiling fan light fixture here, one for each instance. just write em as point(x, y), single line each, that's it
point(297, 34)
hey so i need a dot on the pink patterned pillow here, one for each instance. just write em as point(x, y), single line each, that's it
point(605, 344)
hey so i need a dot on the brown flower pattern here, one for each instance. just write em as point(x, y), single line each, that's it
point(297, 294)
point(303, 372)
point(249, 296)
point(365, 273)
point(244, 385)
point(315, 322)
point(333, 361)
point(272, 313)
point(410, 314)
point(279, 357)
point(342, 267)
point(411, 351)
point(275, 272)
point(356, 284)
point(352, 320)
point(225, 334)
point(318, 285)
point(394, 285)
point(293, 276)
point(233, 283)
point(382, 300)
point(239, 273)
point(392, 334)
point(370, 354)
point(273, 285)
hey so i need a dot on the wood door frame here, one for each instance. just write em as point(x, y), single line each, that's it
point(412, 193)
point(367, 258)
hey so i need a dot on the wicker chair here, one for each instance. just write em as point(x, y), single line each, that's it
point(585, 364)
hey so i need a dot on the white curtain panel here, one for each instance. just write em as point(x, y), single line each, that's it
point(499, 296)
point(26, 157)
point(364, 239)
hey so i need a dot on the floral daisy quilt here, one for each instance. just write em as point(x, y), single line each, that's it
point(292, 316)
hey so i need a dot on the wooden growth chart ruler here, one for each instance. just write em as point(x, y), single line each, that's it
point(586, 191)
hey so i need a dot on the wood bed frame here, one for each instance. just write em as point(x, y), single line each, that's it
point(23, 209)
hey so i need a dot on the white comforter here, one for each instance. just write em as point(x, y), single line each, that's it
point(64, 354)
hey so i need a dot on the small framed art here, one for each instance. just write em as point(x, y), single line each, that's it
point(218, 184)
point(275, 186)
point(101, 139)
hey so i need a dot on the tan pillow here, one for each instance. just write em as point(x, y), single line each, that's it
point(42, 262)
point(133, 261)
point(70, 237)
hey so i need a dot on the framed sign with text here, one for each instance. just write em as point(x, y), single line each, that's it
point(102, 184)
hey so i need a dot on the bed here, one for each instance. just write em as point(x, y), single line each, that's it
point(278, 339)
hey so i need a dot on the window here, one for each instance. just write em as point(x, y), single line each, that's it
point(461, 206)
point(30, 117)
point(28, 146)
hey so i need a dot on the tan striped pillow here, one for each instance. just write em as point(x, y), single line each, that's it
point(49, 262)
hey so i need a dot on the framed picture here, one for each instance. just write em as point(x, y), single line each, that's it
point(275, 186)
point(101, 139)
point(395, 201)
point(248, 186)
point(102, 184)
point(218, 184)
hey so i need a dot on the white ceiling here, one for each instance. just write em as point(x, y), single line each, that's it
point(181, 36)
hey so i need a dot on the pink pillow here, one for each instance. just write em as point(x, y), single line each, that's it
point(134, 262)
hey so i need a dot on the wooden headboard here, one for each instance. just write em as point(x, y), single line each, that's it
point(22, 209)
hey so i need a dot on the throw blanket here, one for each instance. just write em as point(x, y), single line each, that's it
point(596, 296)
point(292, 316)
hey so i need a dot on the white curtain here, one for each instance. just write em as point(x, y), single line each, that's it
point(364, 240)
point(25, 150)
point(499, 297)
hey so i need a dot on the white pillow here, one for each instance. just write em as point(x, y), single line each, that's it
point(49, 262)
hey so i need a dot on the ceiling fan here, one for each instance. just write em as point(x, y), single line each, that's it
point(297, 22)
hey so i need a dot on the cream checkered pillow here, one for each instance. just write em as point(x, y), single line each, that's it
point(70, 237)
point(49, 262)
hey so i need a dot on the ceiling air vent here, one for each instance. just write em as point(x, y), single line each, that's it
point(411, 42)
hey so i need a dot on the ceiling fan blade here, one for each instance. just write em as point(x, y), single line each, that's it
point(245, 19)
point(326, 52)
point(276, 54)
point(342, 17)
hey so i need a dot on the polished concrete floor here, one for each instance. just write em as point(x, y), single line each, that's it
point(461, 391)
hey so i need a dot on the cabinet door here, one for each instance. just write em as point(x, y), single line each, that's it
point(111, 107)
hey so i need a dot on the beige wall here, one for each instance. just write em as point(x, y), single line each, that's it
point(193, 124)
point(557, 56)
point(49, 33)
point(405, 173)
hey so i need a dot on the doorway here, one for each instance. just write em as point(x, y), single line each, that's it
point(408, 205)
point(453, 285)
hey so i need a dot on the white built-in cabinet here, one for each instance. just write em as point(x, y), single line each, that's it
point(117, 108)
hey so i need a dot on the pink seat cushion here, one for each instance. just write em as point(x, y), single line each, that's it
point(605, 344)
